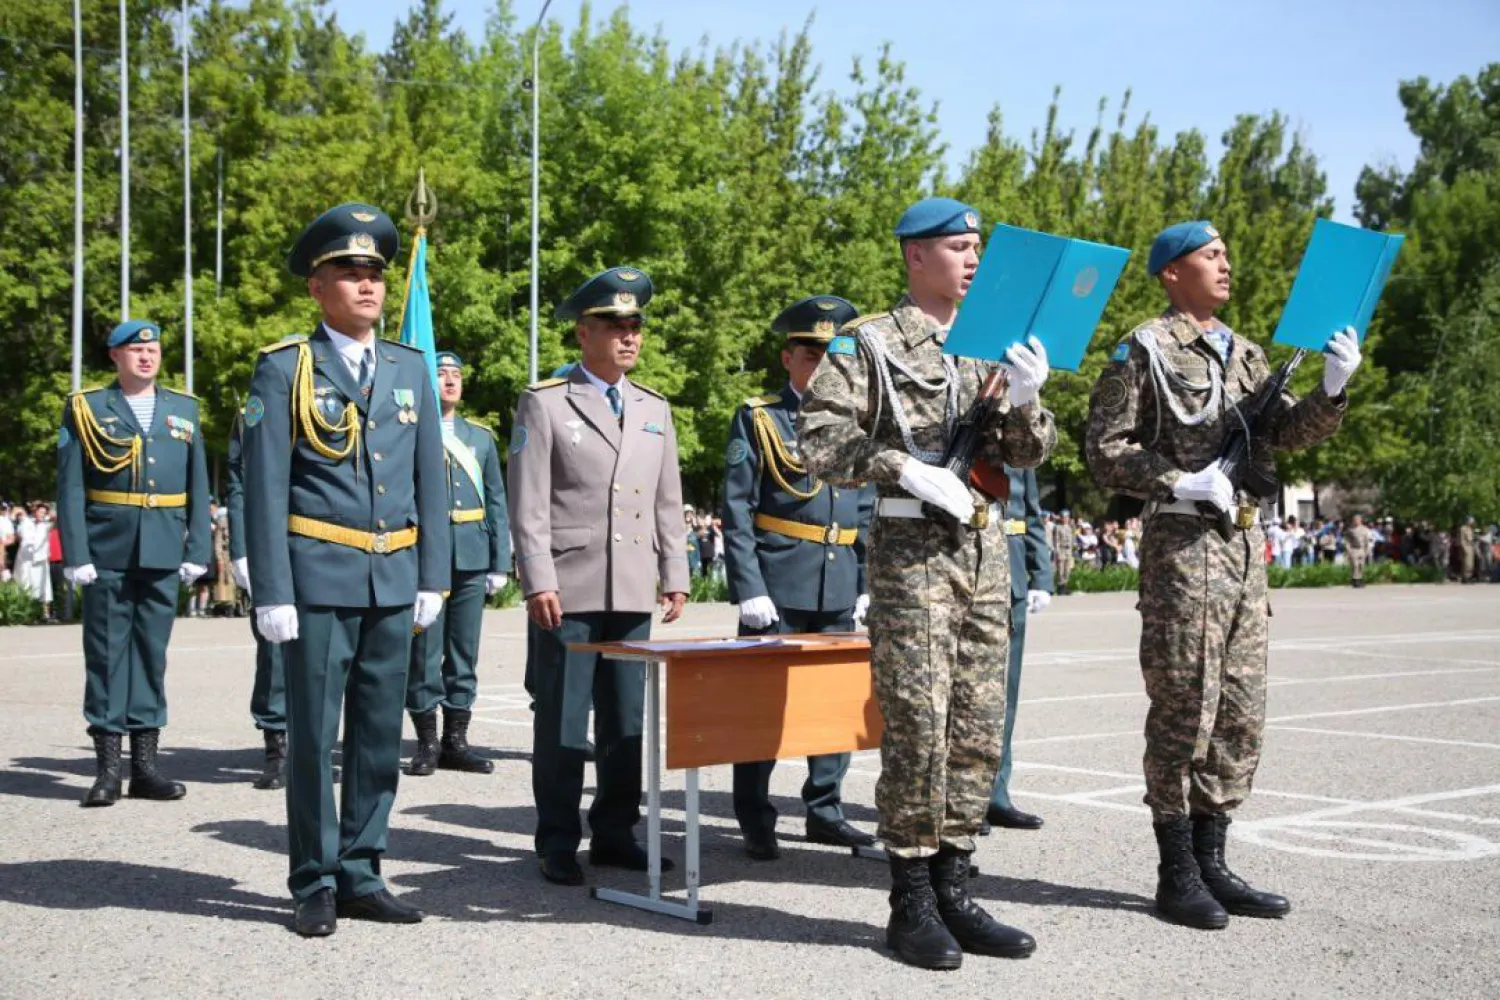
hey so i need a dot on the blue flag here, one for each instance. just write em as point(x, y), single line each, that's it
point(416, 320)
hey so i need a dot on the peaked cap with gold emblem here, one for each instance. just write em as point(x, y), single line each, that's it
point(620, 291)
point(813, 320)
point(352, 233)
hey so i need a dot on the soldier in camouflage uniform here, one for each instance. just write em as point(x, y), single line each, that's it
point(880, 409)
point(1157, 417)
point(1062, 542)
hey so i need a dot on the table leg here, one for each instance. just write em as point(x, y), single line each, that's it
point(691, 861)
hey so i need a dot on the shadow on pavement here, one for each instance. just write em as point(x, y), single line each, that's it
point(1035, 892)
point(90, 885)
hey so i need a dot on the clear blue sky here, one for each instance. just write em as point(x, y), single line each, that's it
point(1331, 65)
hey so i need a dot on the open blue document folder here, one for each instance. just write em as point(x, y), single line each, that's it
point(1036, 283)
point(1342, 275)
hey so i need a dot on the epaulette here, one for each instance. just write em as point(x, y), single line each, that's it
point(87, 389)
point(860, 321)
point(757, 401)
point(547, 383)
point(397, 343)
point(180, 392)
point(648, 390)
point(283, 343)
point(484, 427)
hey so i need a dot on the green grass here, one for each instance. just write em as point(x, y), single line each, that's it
point(1086, 580)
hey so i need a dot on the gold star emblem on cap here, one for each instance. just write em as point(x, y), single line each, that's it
point(145, 335)
point(823, 327)
point(362, 243)
point(624, 300)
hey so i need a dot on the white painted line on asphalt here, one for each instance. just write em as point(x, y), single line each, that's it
point(1383, 805)
point(1074, 738)
point(1281, 682)
point(1383, 708)
point(1389, 736)
point(1491, 664)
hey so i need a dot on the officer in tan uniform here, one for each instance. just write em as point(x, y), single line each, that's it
point(596, 509)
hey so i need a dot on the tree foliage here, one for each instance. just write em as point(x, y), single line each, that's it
point(734, 175)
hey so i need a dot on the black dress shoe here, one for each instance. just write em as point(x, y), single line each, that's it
point(316, 916)
point(381, 907)
point(562, 869)
point(629, 855)
point(762, 846)
point(840, 834)
point(1011, 818)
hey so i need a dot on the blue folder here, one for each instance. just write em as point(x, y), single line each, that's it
point(1342, 275)
point(1036, 283)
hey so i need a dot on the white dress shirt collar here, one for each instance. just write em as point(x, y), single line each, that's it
point(351, 350)
point(600, 384)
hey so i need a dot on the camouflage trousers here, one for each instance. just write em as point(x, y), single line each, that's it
point(1203, 656)
point(939, 624)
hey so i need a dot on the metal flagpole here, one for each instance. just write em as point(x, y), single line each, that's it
point(124, 163)
point(219, 233)
point(536, 138)
point(187, 217)
point(77, 195)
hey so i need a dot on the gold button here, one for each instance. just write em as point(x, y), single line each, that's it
point(380, 523)
point(150, 459)
point(458, 503)
point(616, 487)
point(835, 494)
point(617, 512)
point(637, 539)
point(380, 489)
point(830, 557)
point(617, 536)
point(151, 483)
point(377, 456)
point(371, 425)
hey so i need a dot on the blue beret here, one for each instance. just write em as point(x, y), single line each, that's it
point(564, 370)
point(1174, 241)
point(447, 359)
point(620, 291)
point(815, 319)
point(353, 233)
point(135, 331)
point(937, 217)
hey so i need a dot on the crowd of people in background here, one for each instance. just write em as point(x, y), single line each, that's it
point(1467, 553)
point(705, 543)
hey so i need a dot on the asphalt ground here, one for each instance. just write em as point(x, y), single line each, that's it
point(1377, 810)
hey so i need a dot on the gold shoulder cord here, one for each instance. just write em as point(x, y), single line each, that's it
point(97, 445)
point(308, 417)
point(773, 453)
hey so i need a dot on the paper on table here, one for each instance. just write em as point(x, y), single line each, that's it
point(667, 645)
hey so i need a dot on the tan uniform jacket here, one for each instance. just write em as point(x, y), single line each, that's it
point(596, 507)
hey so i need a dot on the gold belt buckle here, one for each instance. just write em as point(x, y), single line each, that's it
point(981, 518)
point(150, 499)
point(380, 543)
point(1244, 516)
point(831, 536)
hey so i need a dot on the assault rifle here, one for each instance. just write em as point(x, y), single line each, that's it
point(1234, 452)
point(962, 453)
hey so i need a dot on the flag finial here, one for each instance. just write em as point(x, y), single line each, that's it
point(422, 203)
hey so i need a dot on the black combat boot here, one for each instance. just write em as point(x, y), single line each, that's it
point(145, 781)
point(456, 754)
point(425, 760)
point(915, 933)
point(976, 931)
point(106, 787)
point(1181, 896)
point(274, 774)
point(1229, 889)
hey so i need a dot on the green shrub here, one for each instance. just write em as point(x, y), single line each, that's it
point(1117, 578)
point(508, 596)
point(1087, 580)
point(709, 590)
point(17, 607)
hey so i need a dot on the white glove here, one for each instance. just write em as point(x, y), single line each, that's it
point(1037, 601)
point(188, 572)
point(278, 623)
point(1340, 358)
point(1208, 483)
point(241, 570)
point(861, 608)
point(81, 575)
point(1027, 364)
point(429, 606)
point(758, 613)
point(494, 583)
point(938, 487)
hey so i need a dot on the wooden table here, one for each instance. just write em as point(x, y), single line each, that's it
point(740, 700)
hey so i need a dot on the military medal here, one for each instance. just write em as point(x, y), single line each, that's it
point(406, 399)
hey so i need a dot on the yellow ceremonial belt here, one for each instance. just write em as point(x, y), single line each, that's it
point(378, 543)
point(466, 516)
point(137, 499)
point(1014, 527)
point(831, 535)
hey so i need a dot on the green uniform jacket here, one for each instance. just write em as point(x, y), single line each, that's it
point(793, 573)
point(234, 490)
point(121, 537)
point(479, 546)
point(395, 480)
point(1030, 556)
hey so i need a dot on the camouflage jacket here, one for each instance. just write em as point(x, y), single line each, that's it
point(1137, 442)
point(849, 429)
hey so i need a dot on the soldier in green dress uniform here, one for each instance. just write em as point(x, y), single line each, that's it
point(132, 499)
